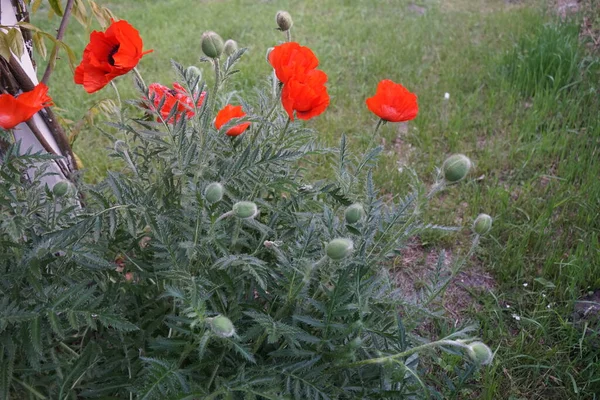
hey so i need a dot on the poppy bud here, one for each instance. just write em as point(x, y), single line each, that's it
point(339, 248)
point(456, 167)
point(230, 47)
point(354, 213)
point(245, 209)
point(482, 224)
point(212, 44)
point(61, 188)
point(214, 192)
point(284, 20)
point(355, 343)
point(193, 71)
point(480, 353)
point(221, 326)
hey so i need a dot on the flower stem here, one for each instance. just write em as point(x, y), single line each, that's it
point(114, 85)
point(288, 35)
point(442, 342)
point(379, 123)
point(217, 66)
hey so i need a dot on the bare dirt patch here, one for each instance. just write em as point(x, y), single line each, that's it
point(417, 267)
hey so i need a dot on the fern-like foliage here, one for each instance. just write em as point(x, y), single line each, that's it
point(115, 290)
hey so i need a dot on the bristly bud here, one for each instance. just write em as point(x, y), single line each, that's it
point(482, 224)
point(354, 213)
point(245, 209)
point(230, 47)
point(284, 20)
point(480, 353)
point(61, 188)
point(339, 248)
point(193, 71)
point(212, 44)
point(221, 326)
point(213, 192)
point(456, 167)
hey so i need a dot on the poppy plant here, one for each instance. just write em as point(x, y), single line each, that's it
point(393, 102)
point(108, 55)
point(291, 60)
point(166, 98)
point(228, 113)
point(307, 95)
point(14, 110)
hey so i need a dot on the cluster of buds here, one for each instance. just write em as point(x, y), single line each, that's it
point(213, 46)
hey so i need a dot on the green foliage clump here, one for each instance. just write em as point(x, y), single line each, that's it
point(145, 286)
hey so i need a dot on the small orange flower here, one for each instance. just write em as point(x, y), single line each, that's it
point(291, 60)
point(393, 102)
point(108, 55)
point(306, 94)
point(228, 113)
point(176, 97)
point(14, 110)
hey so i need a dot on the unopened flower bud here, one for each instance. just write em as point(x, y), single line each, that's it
point(231, 47)
point(61, 188)
point(456, 167)
point(221, 326)
point(193, 71)
point(245, 209)
point(212, 44)
point(284, 20)
point(354, 213)
point(339, 248)
point(129, 277)
point(214, 192)
point(482, 224)
point(480, 353)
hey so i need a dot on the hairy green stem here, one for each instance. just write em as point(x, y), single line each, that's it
point(442, 342)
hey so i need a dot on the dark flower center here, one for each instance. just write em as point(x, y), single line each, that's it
point(172, 92)
point(111, 53)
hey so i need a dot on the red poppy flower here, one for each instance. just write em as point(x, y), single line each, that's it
point(108, 55)
point(307, 95)
point(176, 97)
point(14, 110)
point(228, 113)
point(393, 102)
point(290, 60)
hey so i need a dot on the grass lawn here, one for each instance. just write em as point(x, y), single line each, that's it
point(524, 105)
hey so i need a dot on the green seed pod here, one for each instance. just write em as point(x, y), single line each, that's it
point(482, 224)
point(456, 167)
point(480, 353)
point(284, 20)
point(221, 326)
point(354, 213)
point(213, 192)
point(212, 44)
point(245, 209)
point(339, 248)
point(61, 188)
point(231, 47)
